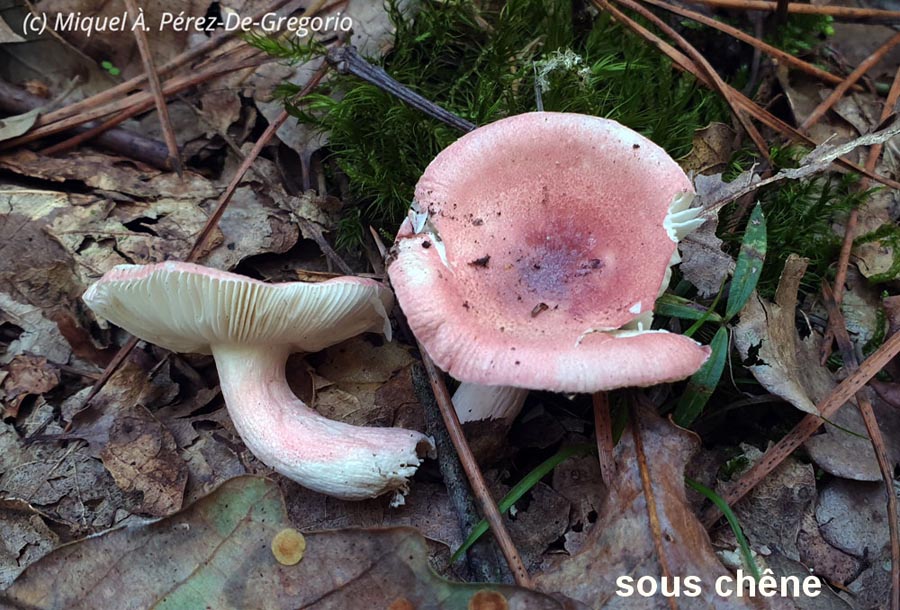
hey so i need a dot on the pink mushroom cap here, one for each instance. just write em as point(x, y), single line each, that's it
point(532, 242)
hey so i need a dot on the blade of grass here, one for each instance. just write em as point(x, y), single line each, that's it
point(749, 263)
point(675, 306)
point(519, 489)
point(703, 383)
point(732, 521)
point(708, 315)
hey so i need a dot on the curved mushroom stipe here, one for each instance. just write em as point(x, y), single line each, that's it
point(333, 458)
point(251, 328)
point(534, 253)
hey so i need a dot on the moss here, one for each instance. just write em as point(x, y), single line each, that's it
point(888, 238)
point(482, 65)
point(800, 216)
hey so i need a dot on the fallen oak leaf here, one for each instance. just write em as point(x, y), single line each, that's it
point(141, 455)
point(217, 553)
point(768, 330)
point(646, 528)
point(28, 376)
point(703, 262)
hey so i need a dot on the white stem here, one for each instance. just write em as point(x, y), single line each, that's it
point(474, 402)
point(334, 458)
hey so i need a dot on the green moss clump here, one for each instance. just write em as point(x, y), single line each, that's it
point(800, 216)
point(482, 65)
point(888, 237)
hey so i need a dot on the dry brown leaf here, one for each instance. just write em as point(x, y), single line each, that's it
point(210, 462)
point(830, 563)
point(578, 480)
point(64, 482)
point(252, 224)
point(141, 456)
point(24, 538)
point(769, 332)
point(852, 517)
point(130, 385)
point(109, 173)
point(351, 378)
point(772, 514)
point(537, 521)
point(220, 109)
point(7, 34)
point(39, 335)
point(217, 554)
point(27, 376)
point(785, 567)
point(622, 542)
point(703, 263)
point(46, 62)
point(851, 456)
point(711, 149)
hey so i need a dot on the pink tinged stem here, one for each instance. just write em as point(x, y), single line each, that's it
point(334, 458)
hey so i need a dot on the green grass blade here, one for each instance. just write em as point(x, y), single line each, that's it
point(685, 309)
point(703, 383)
point(732, 521)
point(709, 313)
point(519, 490)
point(749, 263)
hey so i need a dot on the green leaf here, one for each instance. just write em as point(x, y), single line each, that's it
point(749, 263)
point(722, 505)
point(703, 383)
point(685, 309)
point(519, 490)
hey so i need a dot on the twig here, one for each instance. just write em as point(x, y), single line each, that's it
point(808, 425)
point(756, 43)
point(162, 108)
point(482, 558)
point(875, 435)
point(143, 100)
point(120, 141)
point(310, 228)
point(485, 502)
point(840, 277)
point(108, 372)
point(131, 84)
point(346, 60)
point(650, 499)
point(814, 162)
point(781, 12)
point(716, 82)
point(854, 76)
point(840, 13)
point(261, 143)
point(683, 62)
point(603, 432)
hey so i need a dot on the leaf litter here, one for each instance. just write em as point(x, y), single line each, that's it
point(160, 438)
point(218, 552)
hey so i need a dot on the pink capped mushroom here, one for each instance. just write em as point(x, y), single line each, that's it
point(533, 255)
point(251, 327)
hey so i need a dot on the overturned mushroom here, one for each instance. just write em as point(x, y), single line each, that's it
point(579, 218)
point(250, 328)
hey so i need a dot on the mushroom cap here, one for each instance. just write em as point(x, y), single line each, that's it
point(187, 308)
point(532, 241)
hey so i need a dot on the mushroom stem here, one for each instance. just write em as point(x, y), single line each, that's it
point(475, 402)
point(338, 459)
